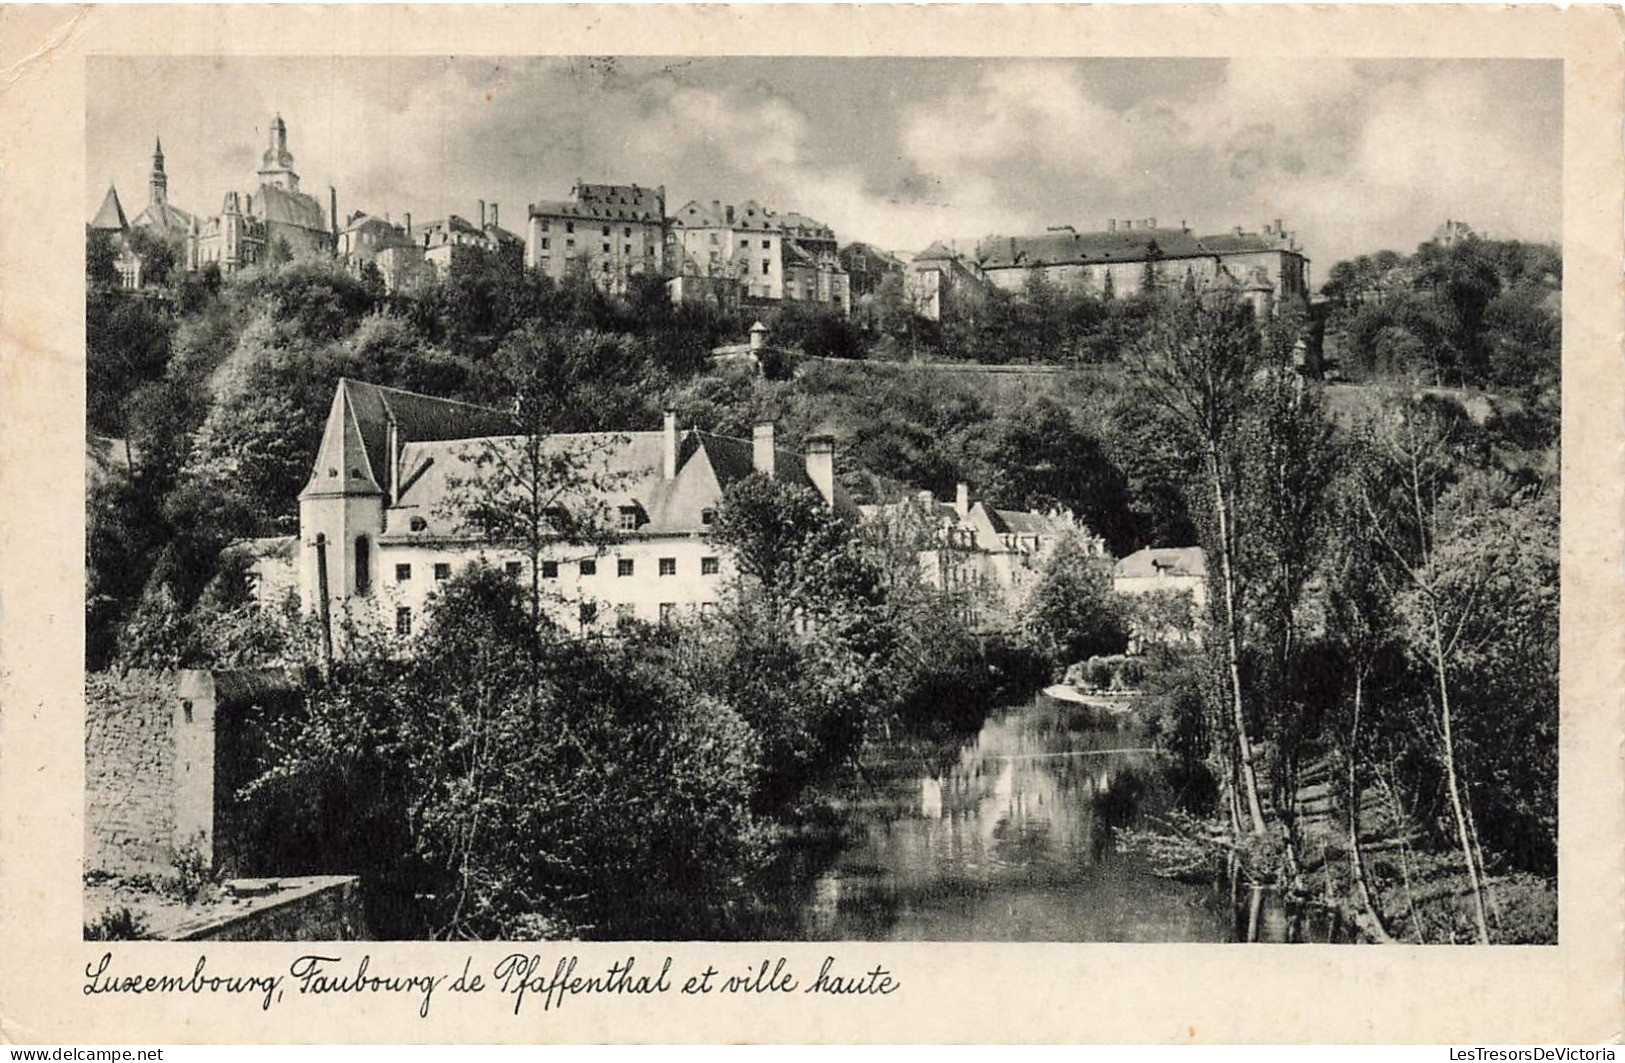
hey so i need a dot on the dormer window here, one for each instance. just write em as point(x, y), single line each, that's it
point(629, 518)
point(708, 516)
point(418, 524)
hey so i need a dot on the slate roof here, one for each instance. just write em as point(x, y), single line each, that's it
point(1123, 245)
point(275, 204)
point(441, 441)
point(638, 208)
point(163, 217)
point(110, 215)
point(1163, 560)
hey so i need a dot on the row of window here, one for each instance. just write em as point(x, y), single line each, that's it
point(667, 566)
point(570, 227)
point(588, 614)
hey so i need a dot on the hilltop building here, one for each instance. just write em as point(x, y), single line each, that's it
point(161, 217)
point(390, 248)
point(758, 253)
point(867, 268)
point(1267, 267)
point(379, 526)
point(939, 281)
point(273, 221)
point(609, 233)
point(446, 240)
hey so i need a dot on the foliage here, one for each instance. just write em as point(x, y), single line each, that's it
point(1072, 613)
point(118, 924)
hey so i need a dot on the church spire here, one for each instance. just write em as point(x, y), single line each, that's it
point(158, 184)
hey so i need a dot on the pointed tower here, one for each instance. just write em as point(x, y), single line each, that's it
point(341, 515)
point(276, 165)
point(110, 215)
point(158, 182)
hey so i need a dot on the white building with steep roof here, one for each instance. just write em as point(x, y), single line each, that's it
point(384, 518)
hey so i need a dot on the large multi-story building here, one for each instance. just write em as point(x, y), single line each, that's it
point(276, 220)
point(1267, 267)
point(383, 518)
point(767, 255)
point(605, 233)
point(446, 240)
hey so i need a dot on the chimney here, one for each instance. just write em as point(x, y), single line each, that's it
point(333, 207)
point(668, 465)
point(716, 207)
point(761, 457)
point(409, 225)
point(730, 213)
point(494, 222)
point(924, 497)
point(1128, 224)
point(962, 499)
point(394, 454)
point(821, 465)
point(1280, 228)
point(1111, 225)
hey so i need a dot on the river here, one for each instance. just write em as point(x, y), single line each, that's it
point(1004, 837)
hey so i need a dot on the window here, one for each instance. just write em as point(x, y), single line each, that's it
point(606, 249)
point(668, 612)
point(767, 245)
point(546, 243)
point(403, 620)
point(589, 568)
point(627, 231)
point(419, 524)
point(629, 518)
point(403, 573)
point(766, 265)
point(514, 568)
point(708, 608)
point(744, 245)
point(606, 233)
point(363, 565)
point(668, 566)
point(442, 571)
point(708, 516)
point(569, 242)
point(628, 249)
point(604, 268)
point(709, 566)
point(570, 227)
point(623, 566)
point(589, 613)
point(550, 570)
point(544, 228)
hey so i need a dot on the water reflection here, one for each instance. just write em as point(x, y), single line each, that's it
point(1006, 837)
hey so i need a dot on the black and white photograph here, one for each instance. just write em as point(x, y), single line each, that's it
point(822, 498)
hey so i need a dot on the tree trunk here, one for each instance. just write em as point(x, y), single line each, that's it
point(1480, 922)
point(1362, 882)
point(1244, 746)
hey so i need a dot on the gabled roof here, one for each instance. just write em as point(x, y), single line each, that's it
point(937, 252)
point(110, 215)
point(1122, 245)
point(352, 457)
point(163, 217)
point(602, 211)
point(1163, 561)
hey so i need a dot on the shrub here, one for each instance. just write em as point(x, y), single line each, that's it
point(117, 924)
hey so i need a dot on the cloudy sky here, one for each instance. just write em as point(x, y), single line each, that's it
point(1354, 155)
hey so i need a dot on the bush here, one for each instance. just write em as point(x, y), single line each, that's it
point(117, 924)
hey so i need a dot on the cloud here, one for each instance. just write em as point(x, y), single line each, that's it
point(1354, 155)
